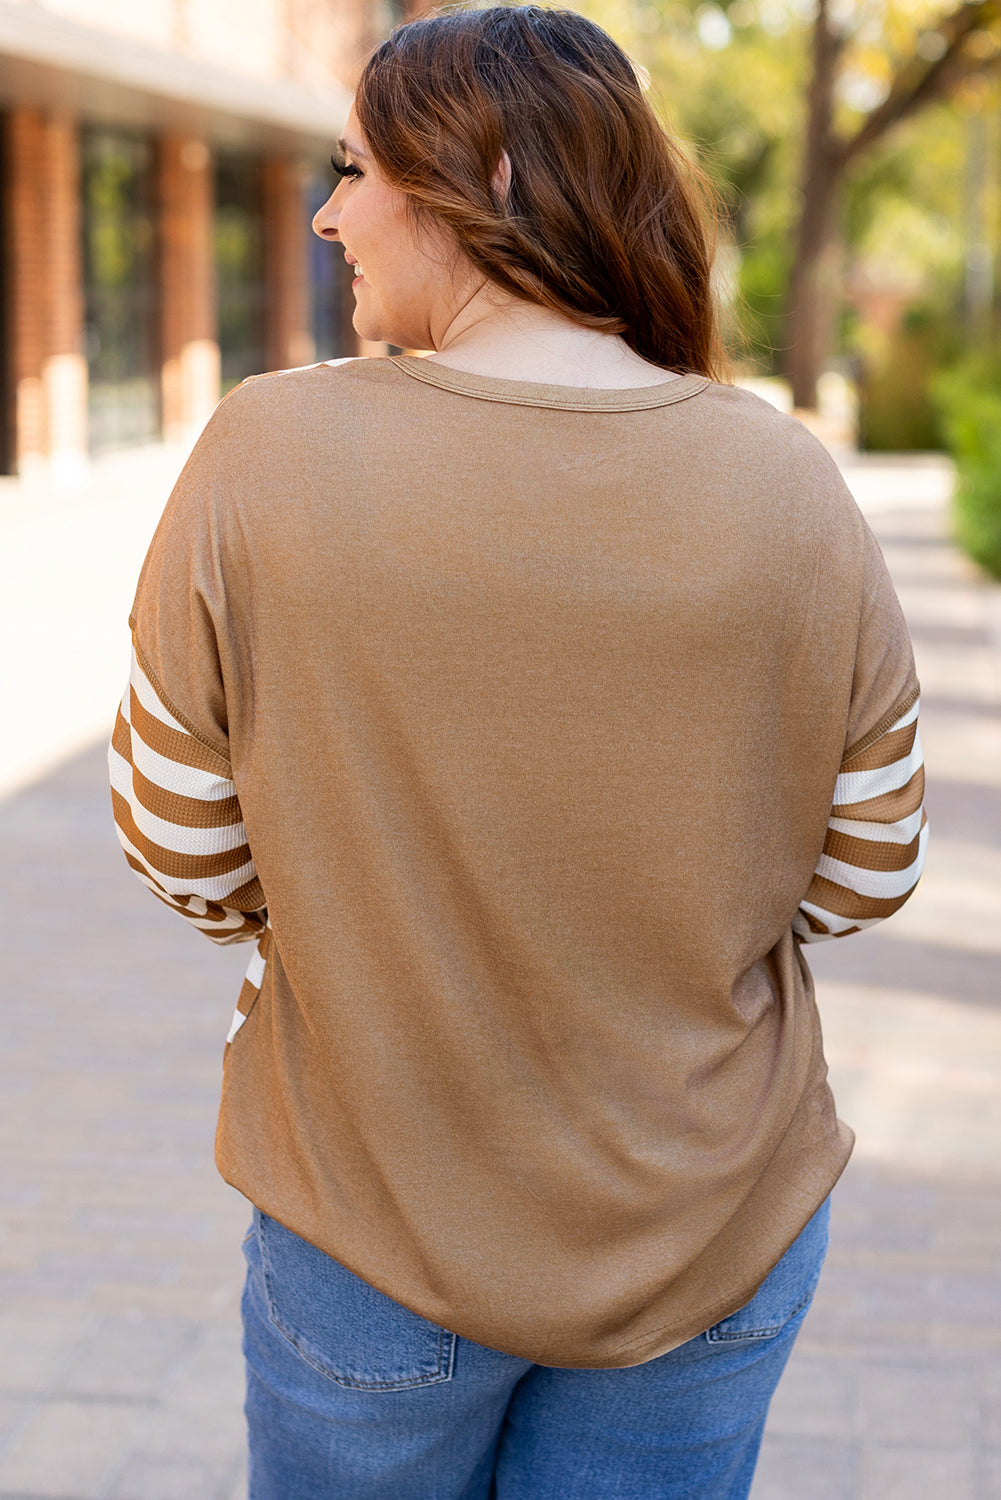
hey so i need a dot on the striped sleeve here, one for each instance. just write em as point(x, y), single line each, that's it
point(874, 849)
point(178, 817)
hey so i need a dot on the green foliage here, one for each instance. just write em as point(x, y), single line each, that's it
point(897, 409)
point(736, 95)
point(969, 400)
point(762, 282)
point(730, 77)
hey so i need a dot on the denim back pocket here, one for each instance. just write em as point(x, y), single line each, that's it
point(342, 1326)
point(786, 1291)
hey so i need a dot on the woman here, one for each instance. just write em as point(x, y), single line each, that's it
point(505, 696)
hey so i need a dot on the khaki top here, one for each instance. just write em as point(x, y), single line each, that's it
point(534, 701)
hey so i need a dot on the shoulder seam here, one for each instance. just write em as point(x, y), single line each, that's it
point(167, 702)
point(885, 723)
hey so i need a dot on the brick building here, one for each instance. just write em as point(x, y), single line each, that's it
point(161, 159)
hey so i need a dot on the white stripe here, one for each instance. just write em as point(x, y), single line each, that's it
point(901, 832)
point(836, 924)
point(232, 923)
point(148, 697)
point(197, 910)
point(170, 835)
point(862, 786)
point(211, 888)
point(235, 1024)
point(227, 930)
point(880, 884)
point(172, 776)
point(211, 781)
point(255, 970)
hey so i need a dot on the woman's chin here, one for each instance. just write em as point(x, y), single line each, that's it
point(373, 332)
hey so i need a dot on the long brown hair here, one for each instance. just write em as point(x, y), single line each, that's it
point(604, 219)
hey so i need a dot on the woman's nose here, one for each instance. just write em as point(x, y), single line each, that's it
point(325, 220)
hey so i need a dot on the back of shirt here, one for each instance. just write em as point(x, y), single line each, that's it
point(534, 701)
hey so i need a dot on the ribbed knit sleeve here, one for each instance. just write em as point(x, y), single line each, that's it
point(178, 817)
point(874, 849)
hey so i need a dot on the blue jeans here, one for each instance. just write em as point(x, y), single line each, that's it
point(352, 1397)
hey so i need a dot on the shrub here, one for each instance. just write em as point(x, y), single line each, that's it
point(969, 400)
point(896, 409)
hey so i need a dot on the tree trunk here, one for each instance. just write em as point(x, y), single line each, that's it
point(811, 288)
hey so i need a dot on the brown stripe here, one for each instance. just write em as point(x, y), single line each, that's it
point(170, 862)
point(249, 992)
point(121, 737)
point(245, 1004)
point(249, 927)
point(822, 931)
point(138, 866)
point(213, 912)
point(249, 897)
point(157, 891)
point(890, 807)
point(151, 677)
point(216, 912)
point(845, 903)
point(174, 744)
point(241, 934)
point(870, 854)
point(897, 745)
point(186, 812)
point(247, 997)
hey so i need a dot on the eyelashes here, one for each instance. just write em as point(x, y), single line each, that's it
point(345, 168)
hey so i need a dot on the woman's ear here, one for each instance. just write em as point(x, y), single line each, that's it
point(501, 180)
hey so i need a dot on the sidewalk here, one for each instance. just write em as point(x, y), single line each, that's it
point(119, 1258)
point(894, 1388)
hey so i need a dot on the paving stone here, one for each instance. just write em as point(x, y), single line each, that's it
point(914, 1473)
point(212, 1435)
point(903, 1404)
point(130, 1357)
point(211, 1377)
point(38, 1346)
point(68, 1448)
point(239, 1487)
point(800, 1468)
point(13, 1413)
point(817, 1397)
point(989, 1477)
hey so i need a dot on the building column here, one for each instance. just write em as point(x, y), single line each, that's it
point(188, 343)
point(286, 265)
point(48, 367)
point(24, 173)
point(66, 363)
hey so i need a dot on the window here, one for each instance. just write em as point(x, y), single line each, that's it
point(120, 292)
point(332, 301)
point(239, 257)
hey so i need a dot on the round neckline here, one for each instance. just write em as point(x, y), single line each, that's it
point(537, 393)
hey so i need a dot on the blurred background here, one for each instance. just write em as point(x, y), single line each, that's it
point(159, 164)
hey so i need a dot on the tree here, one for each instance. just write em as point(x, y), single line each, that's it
point(794, 112)
point(957, 45)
